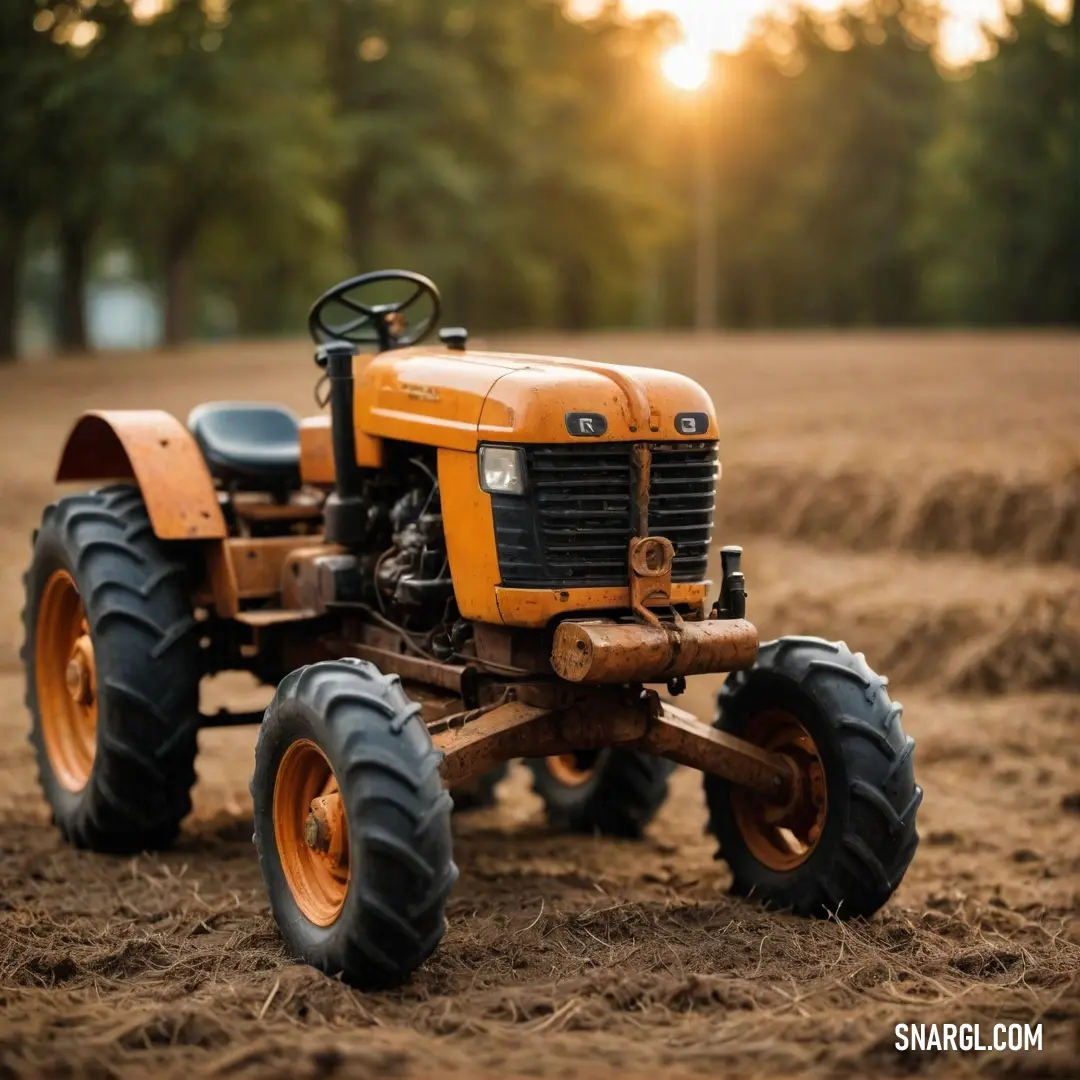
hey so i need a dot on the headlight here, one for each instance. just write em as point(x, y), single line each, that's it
point(502, 470)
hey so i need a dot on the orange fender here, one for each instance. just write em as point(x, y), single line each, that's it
point(156, 451)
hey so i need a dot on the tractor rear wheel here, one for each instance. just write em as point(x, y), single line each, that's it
point(352, 823)
point(112, 673)
point(842, 843)
point(615, 792)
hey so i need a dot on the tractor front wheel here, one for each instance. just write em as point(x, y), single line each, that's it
point(352, 823)
point(842, 841)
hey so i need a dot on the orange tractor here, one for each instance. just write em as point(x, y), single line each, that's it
point(476, 557)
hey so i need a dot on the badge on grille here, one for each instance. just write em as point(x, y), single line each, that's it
point(691, 423)
point(586, 424)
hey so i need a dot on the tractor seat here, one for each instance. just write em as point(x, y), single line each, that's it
point(248, 444)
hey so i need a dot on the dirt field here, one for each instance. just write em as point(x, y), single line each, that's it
point(918, 496)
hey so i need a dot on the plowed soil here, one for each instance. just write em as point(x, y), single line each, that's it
point(918, 496)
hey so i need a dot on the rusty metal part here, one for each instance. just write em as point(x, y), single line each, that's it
point(80, 672)
point(325, 830)
point(650, 559)
point(783, 835)
point(275, 616)
point(242, 568)
point(220, 588)
point(259, 564)
point(549, 693)
point(302, 579)
point(414, 668)
point(318, 877)
point(535, 608)
point(642, 468)
point(65, 682)
point(160, 454)
point(433, 706)
point(474, 743)
point(603, 651)
point(259, 512)
point(511, 647)
point(478, 740)
point(682, 737)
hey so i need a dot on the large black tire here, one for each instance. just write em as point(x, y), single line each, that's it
point(397, 812)
point(146, 664)
point(868, 837)
point(622, 793)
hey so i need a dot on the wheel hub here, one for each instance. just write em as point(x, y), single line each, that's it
point(79, 673)
point(783, 835)
point(311, 832)
point(325, 831)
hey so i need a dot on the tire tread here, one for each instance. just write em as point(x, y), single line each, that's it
point(859, 869)
point(147, 652)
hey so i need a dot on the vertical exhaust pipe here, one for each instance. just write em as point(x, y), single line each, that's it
point(346, 509)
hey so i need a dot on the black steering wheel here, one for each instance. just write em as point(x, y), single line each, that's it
point(372, 310)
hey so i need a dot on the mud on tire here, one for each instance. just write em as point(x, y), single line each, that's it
point(869, 837)
point(619, 792)
point(391, 915)
point(133, 791)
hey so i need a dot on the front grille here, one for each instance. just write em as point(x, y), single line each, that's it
point(573, 526)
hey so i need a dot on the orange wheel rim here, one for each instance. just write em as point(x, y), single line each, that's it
point(66, 682)
point(568, 770)
point(783, 837)
point(311, 832)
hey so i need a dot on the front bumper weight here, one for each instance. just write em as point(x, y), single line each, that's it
point(604, 651)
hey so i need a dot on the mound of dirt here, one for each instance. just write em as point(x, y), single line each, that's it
point(1038, 649)
point(965, 510)
point(960, 647)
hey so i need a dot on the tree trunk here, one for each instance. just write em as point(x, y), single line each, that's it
point(576, 295)
point(74, 250)
point(179, 287)
point(11, 245)
point(358, 199)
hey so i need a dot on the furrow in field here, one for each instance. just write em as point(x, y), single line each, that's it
point(958, 624)
point(967, 510)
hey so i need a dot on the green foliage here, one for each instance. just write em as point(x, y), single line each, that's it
point(499, 146)
point(814, 215)
point(998, 228)
point(536, 166)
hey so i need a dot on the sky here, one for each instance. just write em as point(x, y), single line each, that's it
point(723, 25)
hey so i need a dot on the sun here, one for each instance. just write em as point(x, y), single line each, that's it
point(686, 66)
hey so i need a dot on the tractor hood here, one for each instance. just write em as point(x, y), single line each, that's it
point(458, 399)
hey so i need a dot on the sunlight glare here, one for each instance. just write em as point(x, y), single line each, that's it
point(686, 66)
point(725, 25)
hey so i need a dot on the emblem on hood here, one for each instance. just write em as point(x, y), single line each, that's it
point(691, 423)
point(586, 424)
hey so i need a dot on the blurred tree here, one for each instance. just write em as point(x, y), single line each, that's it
point(533, 163)
point(499, 146)
point(818, 128)
point(24, 77)
point(91, 110)
point(241, 150)
point(998, 227)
